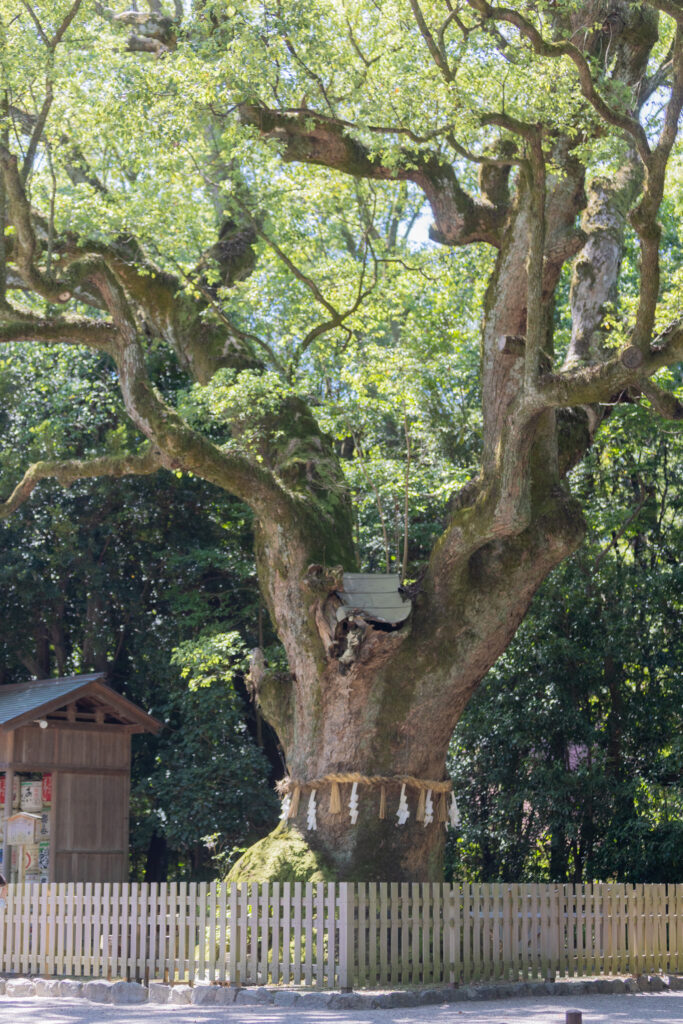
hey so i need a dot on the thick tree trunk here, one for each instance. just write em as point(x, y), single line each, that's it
point(389, 710)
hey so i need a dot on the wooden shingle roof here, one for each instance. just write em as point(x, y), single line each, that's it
point(23, 703)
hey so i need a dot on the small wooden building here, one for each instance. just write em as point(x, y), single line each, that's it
point(65, 757)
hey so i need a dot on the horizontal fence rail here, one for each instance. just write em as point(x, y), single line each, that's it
point(340, 935)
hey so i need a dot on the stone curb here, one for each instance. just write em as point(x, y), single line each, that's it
point(126, 993)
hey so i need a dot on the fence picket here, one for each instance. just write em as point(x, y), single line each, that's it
point(383, 896)
point(100, 927)
point(435, 911)
point(4, 917)
point(222, 931)
point(134, 930)
point(202, 897)
point(172, 919)
point(33, 937)
point(392, 937)
point(252, 928)
point(602, 926)
point(373, 977)
point(275, 967)
point(320, 934)
point(26, 925)
point(550, 930)
point(677, 926)
point(145, 948)
point(61, 927)
point(403, 914)
point(15, 942)
point(264, 907)
point(557, 930)
point(243, 912)
point(233, 933)
point(480, 923)
point(425, 951)
point(623, 960)
point(297, 906)
point(466, 932)
point(361, 944)
point(591, 938)
point(457, 930)
point(40, 941)
point(191, 931)
point(308, 933)
point(162, 918)
point(287, 935)
point(407, 933)
point(331, 931)
point(640, 912)
point(662, 951)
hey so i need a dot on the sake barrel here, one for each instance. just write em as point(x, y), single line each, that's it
point(31, 795)
point(31, 855)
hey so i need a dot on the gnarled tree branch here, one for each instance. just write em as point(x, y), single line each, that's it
point(68, 471)
point(605, 381)
point(545, 48)
point(438, 55)
point(644, 216)
point(18, 326)
point(671, 7)
point(663, 402)
point(310, 138)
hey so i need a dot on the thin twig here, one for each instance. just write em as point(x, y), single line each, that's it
point(645, 494)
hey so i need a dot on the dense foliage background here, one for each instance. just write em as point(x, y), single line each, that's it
point(152, 582)
point(569, 760)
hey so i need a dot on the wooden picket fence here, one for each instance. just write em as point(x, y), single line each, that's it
point(340, 935)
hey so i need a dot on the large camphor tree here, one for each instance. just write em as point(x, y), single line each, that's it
point(539, 133)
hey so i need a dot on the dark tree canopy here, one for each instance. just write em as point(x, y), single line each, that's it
point(569, 757)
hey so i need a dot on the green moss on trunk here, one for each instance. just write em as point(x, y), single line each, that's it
point(283, 856)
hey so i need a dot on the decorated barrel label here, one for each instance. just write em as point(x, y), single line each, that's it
point(31, 795)
point(43, 857)
point(30, 859)
point(47, 789)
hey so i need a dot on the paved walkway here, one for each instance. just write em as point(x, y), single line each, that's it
point(663, 1008)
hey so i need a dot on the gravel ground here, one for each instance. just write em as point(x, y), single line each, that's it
point(659, 1008)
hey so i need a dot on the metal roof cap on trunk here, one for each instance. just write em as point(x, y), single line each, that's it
point(375, 596)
